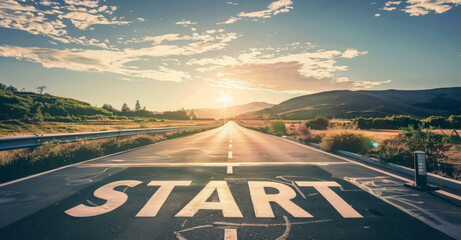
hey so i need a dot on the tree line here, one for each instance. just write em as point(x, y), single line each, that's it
point(400, 121)
point(139, 111)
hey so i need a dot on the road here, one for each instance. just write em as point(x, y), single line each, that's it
point(225, 183)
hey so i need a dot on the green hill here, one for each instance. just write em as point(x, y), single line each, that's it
point(23, 105)
point(350, 104)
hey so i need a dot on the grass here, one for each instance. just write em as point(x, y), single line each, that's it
point(23, 162)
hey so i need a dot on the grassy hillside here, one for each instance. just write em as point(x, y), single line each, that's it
point(350, 104)
point(27, 105)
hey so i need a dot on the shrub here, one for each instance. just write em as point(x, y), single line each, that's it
point(455, 121)
point(278, 127)
point(347, 140)
point(319, 123)
point(420, 139)
point(389, 122)
point(436, 121)
point(395, 155)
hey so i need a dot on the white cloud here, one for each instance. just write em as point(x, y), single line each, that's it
point(185, 23)
point(390, 5)
point(49, 19)
point(141, 19)
point(280, 6)
point(351, 53)
point(232, 3)
point(422, 7)
point(120, 61)
point(265, 69)
point(377, 15)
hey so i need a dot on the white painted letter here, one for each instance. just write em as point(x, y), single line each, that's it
point(158, 199)
point(114, 200)
point(336, 201)
point(226, 203)
point(261, 200)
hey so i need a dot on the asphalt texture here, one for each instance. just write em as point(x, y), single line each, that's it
point(360, 203)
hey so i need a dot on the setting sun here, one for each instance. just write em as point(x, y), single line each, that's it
point(225, 99)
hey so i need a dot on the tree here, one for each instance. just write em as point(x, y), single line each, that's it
point(41, 89)
point(192, 115)
point(125, 108)
point(436, 121)
point(109, 108)
point(137, 107)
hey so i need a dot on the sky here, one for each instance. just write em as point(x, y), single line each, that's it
point(190, 53)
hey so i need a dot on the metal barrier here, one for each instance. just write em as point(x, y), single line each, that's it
point(7, 143)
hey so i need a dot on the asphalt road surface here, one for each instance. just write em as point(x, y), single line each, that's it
point(225, 183)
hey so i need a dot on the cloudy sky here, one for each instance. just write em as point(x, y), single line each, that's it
point(186, 53)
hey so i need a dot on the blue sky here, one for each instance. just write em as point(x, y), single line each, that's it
point(186, 54)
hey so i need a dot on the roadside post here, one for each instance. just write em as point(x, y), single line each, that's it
point(420, 173)
point(420, 169)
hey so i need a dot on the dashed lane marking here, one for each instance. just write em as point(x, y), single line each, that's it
point(230, 234)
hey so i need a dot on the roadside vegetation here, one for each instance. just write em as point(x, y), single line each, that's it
point(23, 162)
point(29, 113)
point(390, 139)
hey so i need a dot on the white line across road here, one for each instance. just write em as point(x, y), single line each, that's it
point(207, 164)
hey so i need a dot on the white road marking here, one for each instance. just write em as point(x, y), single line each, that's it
point(230, 234)
point(261, 200)
point(114, 199)
point(230, 170)
point(287, 229)
point(230, 145)
point(158, 199)
point(454, 196)
point(208, 164)
point(226, 203)
point(230, 140)
point(229, 155)
point(336, 201)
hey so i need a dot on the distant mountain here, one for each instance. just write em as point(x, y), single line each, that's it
point(366, 103)
point(232, 111)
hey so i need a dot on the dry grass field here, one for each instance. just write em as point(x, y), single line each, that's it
point(22, 129)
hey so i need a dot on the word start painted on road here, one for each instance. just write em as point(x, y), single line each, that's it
point(226, 204)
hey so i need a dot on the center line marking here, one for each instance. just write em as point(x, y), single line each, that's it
point(229, 170)
point(230, 140)
point(230, 145)
point(229, 155)
point(230, 234)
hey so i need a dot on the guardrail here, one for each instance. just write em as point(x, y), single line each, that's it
point(8, 143)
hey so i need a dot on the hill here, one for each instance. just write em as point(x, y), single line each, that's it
point(232, 111)
point(366, 103)
point(21, 105)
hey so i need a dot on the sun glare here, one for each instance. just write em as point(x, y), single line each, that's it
point(225, 99)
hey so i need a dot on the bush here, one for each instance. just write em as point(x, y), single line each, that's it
point(455, 121)
point(395, 155)
point(420, 139)
point(319, 123)
point(347, 140)
point(436, 121)
point(389, 122)
point(278, 127)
